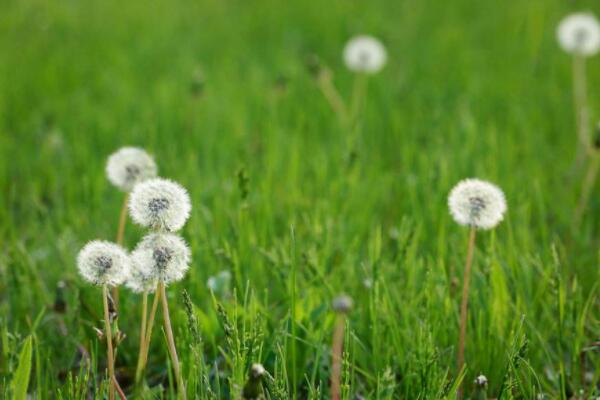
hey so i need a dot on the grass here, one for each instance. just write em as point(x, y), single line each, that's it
point(297, 208)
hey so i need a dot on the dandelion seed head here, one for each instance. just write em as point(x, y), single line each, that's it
point(103, 263)
point(481, 381)
point(257, 370)
point(162, 257)
point(160, 204)
point(579, 33)
point(342, 304)
point(128, 166)
point(365, 54)
point(478, 203)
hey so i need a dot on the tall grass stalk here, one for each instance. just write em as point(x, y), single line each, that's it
point(581, 109)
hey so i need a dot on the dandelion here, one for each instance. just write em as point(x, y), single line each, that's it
point(160, 204)
point(579, 34)
point(163, 258)
point(480, 383)
point(479, 205)
point(128, 166)
point(105, 264)
point(342, 306)
point(253, 386)
point(365, 54)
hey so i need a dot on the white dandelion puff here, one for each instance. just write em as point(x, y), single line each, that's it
point(160, 204)
point(128, 166)
point(140, 279)
point(579, 33)
point(103, 263)
point(365, 54)
point(477, 203)
point(166, 257)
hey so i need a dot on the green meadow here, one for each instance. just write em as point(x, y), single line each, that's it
point(296, 204)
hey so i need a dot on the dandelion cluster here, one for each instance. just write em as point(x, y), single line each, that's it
point(477, 203)
point(579, 33)
point(103, 263)
point(365, 54)
point(162, 257)
point(128, 166)
point(160, 204)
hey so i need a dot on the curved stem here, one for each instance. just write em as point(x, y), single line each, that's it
point(171, 340)
point(325, 83)
point(460, 360)
point(108, 334)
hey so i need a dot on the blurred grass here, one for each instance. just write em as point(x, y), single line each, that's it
point(471, 89)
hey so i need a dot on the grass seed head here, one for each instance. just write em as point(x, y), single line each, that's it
point(163, 257)
point(103, 263)
point(128, 166)
point(365, 54)
point(160, 204)
point(579, 33)
point(478, 203)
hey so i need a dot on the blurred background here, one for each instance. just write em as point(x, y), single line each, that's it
point(221, 94)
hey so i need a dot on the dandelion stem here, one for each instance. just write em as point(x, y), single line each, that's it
point(108, 334)
point(325, 83)
point(171, 340)
point(586, 189)
point(581, 108)
point(119, 241)
point(148, 336)
point(359, 90)
point(138, 373)
point(336, 361)
point(460, 360)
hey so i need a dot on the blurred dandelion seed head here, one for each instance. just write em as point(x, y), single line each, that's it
point(478, 203)
point(579, 33)
point(128, 166)
point(160, 204)
point(103, 263)
point(342, 304)
point(481, 381)
point(365, 54)
point(161, 257)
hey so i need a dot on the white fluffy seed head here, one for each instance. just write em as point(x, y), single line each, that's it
point(103, 263)
point(478, 203)
point(160, 204)
point(140, 278)
point(579, 33)
point(128, 166)
point(163, 256)
point(365, 54)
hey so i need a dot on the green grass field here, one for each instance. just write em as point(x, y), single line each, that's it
point(297, 206)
